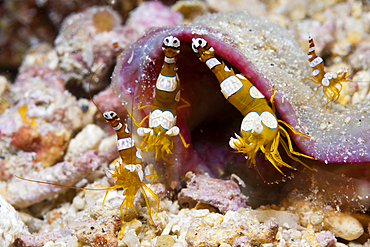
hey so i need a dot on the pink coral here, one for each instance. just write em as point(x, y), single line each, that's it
point(47, 148)
point(41, 123)
point(153, 14)
point(40, 239)
point(39, 76)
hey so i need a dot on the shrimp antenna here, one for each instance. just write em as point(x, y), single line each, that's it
point(60, 185)
point(132, 127)
point(202, 151)
point(90, 89)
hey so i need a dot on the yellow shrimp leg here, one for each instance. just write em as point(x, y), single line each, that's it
point(186, 104)
point(135, 122)
point(122, 217)
point(293, 130)
point(275, 153)
point(186, 145)
point(142, 107)
point(154, 176)
point(167, 160)
point(290, 150)
point(105, 197)
point(272, 99)
point(272, 161)
point(142, 186)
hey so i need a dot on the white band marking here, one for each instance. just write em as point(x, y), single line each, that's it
point(167, 83)
point(118, 127)
point(250, 120)
point(316, 62)
point(125, 143)
point(315, 72)
point(230, 85)
point(253, 122)
point(169, 60)
point(212, 62)
point(165, 119)
point(269, 120)
point(255, 93)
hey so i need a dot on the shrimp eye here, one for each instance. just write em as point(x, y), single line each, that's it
point(199, 42)
point(195, 49)
point(175, 42)
point(258, 128)
point(202, 42)
point(109, 115)
point(166, 41)
point(171, 42)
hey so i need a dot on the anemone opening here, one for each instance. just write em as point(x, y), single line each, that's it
point(207, 124)
point(212, 118)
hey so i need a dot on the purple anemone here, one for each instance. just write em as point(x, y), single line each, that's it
point(267, 55)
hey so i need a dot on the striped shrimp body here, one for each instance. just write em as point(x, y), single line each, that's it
point(260, 129)
point(125, 143)
point(128, 173)
point(158, 137)
point(329, 81)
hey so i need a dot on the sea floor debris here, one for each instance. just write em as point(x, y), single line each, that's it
point(50, 131)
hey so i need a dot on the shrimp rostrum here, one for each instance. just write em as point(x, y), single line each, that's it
point(158, 137)
point(260, 129)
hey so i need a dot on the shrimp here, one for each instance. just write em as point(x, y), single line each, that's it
point(128, 173)
point(327, 80)
point(260, 129)
point(158, 137)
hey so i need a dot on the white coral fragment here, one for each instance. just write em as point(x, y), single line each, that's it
point(88, 139)
point(11, 225)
